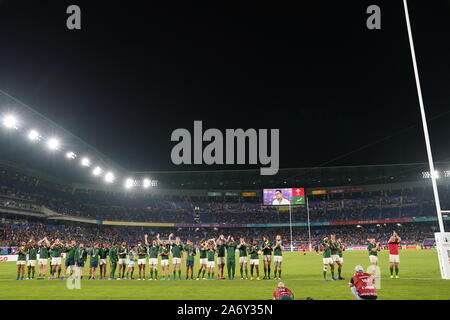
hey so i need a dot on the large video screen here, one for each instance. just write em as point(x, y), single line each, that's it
point(284, 196)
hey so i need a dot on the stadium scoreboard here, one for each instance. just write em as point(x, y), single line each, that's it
point(284, 197)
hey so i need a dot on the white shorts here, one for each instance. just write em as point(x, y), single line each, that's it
point(254, 262)
point(242, 260)
point(31, 263)
point(56, 261)
point(20, 262)
point(341, 260)
point(153, 261)
point(203, 261)
point(373, 259)
point(142, 261)
point(130, 263)
point(267, 258)
point(176, 260)
point(43, 261)
point(335, 257)
point(164, 262)
point(327, 261)
point(220, 260)
point(394, 258)
point(102, 262)
point(211, 264)
point(122, 261)
point(277, 259)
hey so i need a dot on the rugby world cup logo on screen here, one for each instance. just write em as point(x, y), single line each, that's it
point(239, 145)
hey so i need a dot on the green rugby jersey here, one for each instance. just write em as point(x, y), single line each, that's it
point(122, 252)
point(153, 252)
point(267, 251)
point(176, 250)
point(242, 251)
point(142, 252)
point(22, 256)
point(43, 252)
point(231, 251)
point(56, 252)
point(80, 255)
point(203, 253)
point(370, 247)
point(254, 252)
point(326, 250)
point(132, 256)
point(93, 254)
point(211, 254)
point(103, 253)
point(334, 248)
point(113, 254)
point(32, 253)
point(221, 251)
point(70, 252)
point(165, 252)
point(190, 252)
point(277, 251)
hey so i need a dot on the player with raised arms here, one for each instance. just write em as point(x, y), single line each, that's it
point(142, 260)
point(44, 246)
point(177, 256)
point(55, 252)
point(267, 256)
point(220, 247)
point(341, 249)
point(254, 259)
point(242, 247)
point(164, 252)
point(394, 257)
point(277, 257)
point(327, 260)
point(212, 246)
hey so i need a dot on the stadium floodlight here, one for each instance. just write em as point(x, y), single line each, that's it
point(109, 177)
point(129, 183)
point(146, 183)
point(53, 144)
point(10, 122)
point(85, 162)
point(33, 135)
point(97, 171)
point(71, 155)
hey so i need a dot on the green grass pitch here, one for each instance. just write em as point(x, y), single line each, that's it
point(419, 279)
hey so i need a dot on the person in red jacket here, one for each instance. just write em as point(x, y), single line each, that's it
point(282, 293)
point(362, 285)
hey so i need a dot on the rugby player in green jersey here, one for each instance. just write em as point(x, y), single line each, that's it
point(277, 257)
point(70, 257)
point(190, 256)
point(211, 257)
point(334, 247)
point(153, 252)
point(177, 256)
point(132, 255)
point(341, 249)
point(32, 257)
point(327, 260)
point(44, 246)
point(55, 252)
point(94, 259)
point(113, 259)
point(203, 247)
point(254, 259)
point(103, 251)
point(122, 253)
point(220, 247)
point(142, 260)
point(242, 247)
point(21, 260)
point(80, 259)
point(164, 252)
point(373, 249)
point(231, 246)
point(267, 256)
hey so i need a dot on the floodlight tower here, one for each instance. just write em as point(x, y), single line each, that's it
point(442, 238)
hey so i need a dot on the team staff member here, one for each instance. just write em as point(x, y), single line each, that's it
point(231, 257)
point(362, 285)
point(113, 259)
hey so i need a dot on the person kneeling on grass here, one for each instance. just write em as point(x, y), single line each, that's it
point(362, 285)
point(282, 293)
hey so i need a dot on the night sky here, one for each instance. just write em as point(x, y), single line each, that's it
point(135, 73)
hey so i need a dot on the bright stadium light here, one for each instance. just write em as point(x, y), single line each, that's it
point(129, 183)
point(109, 177)
point(10, 122)
point(146, 183)
point(33, 135)
point(71, 155)
point(97, 171)
point(85, 162)
point(53, 144)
